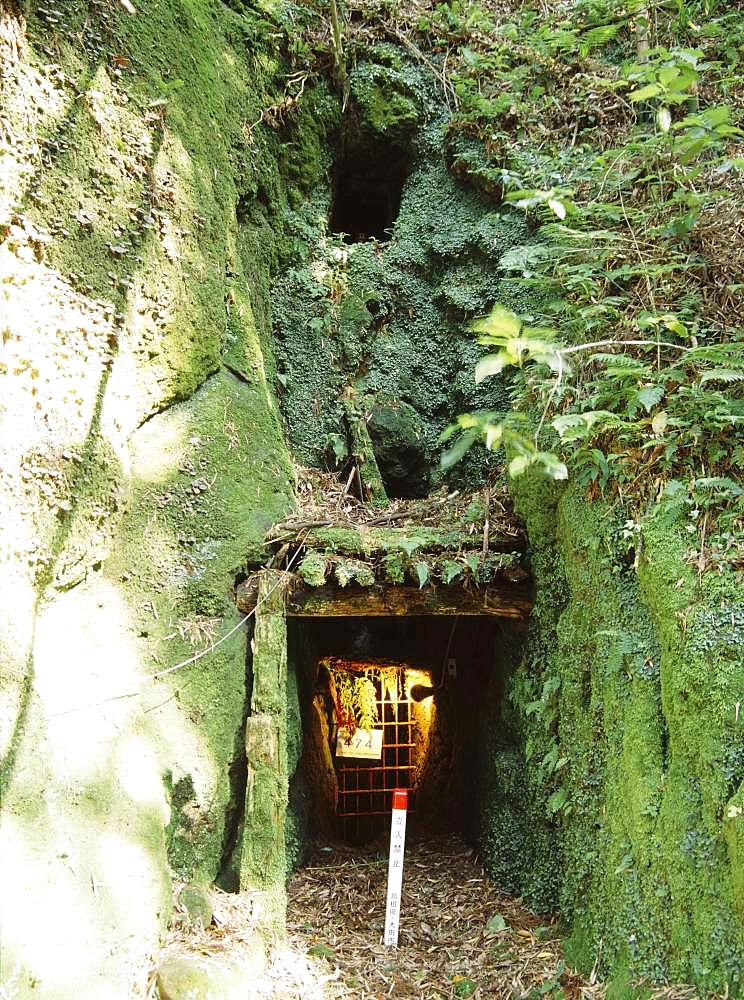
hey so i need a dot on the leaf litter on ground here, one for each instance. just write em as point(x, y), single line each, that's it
point(460, 936)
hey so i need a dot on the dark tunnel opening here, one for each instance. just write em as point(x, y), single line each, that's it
point(429, 686)
point(368, 186)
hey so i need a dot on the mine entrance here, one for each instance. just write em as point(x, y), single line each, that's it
point(394, 702)
point(368, 184)
point(370, 762)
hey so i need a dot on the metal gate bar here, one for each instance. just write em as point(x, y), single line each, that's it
point(365, 789)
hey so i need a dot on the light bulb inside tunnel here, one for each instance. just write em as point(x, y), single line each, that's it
point(419, 692)
point(414, 680)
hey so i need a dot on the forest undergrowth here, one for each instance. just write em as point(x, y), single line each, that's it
point(615, 127)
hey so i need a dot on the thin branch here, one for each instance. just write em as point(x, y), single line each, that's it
point(621, 343)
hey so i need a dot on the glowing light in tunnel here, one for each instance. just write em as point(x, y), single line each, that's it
point(423, 709)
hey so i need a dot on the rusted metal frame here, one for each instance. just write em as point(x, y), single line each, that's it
point(379, 812)
point(376, 770)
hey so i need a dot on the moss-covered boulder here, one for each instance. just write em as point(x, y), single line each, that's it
point(398, 434)
point(208, 977)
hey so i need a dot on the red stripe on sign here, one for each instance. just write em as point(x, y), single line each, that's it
point(400, 798)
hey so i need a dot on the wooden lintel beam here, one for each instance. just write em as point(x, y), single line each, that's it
point(395, 600)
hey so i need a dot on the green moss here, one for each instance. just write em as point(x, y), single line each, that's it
point(296, 832)
point(305, 157)
point(188, 279)
point(263, 864)
point(734, 831)
point(622, 987)
point(364, 453)
point(161, 197)
point(350, 541)
point(313, 569)
point(199, 499)
point(701, 629)
point(346, 570)
point(390, 322)
point(395, 567)
point(386, 99)
point(643, 668)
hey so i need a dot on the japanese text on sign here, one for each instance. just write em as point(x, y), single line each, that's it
point(395, 867)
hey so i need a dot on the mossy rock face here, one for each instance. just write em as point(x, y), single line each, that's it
point(141, 266)
point(198, 501)
point(386, 99)
point(623, 732)
point(390, 321)
point(734, 828)
point(397, 433)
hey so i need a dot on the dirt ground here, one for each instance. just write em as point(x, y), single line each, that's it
point(459, 936)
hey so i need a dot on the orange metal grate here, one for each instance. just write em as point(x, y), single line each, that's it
point(365, 787)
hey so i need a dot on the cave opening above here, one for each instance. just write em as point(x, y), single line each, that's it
point(367, 189)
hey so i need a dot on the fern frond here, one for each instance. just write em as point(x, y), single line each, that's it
point(722, 375)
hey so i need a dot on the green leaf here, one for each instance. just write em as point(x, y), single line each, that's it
point(449, 432)
point(649, 396)
point(450, 571)
point(571, 426)
point(496, 924)
point(552, 465)
point(422, 572)
point(473, 561)
point(645, 93)
point(557, 801)
point(500, 322)
point(524, 258)
point(674, 488)
point(321, 951)
point(626, 863)
point(722, 375)
point(461, 446)
point(339, 445)
point(494, 435)
point(660, 421)
point(596, 37)
point(520, 464)
point(664, 119)
point(409, 545)
point(492, 364)
point(576, 426)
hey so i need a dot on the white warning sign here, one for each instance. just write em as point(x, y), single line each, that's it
point(395, 866)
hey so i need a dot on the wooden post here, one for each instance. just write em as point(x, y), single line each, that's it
point(263, 857)
point(361, 446)
point(500, 600)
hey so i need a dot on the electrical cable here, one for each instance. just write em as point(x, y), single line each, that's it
point(184, 663)
point(421, 691)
